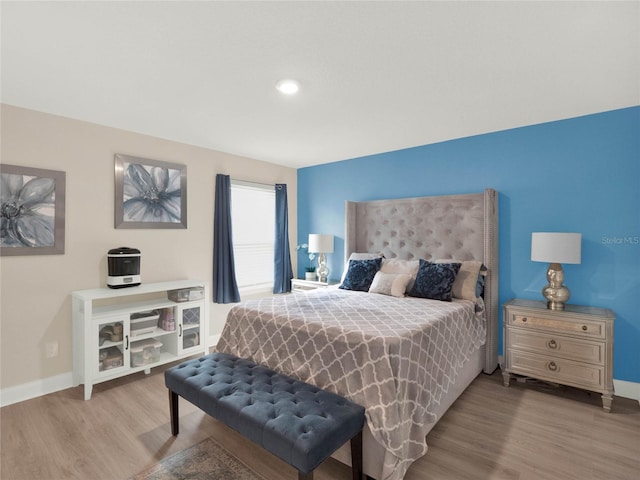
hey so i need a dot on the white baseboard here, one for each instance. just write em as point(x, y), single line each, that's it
point(627, 389)
point(38, 388)
point(34, 389)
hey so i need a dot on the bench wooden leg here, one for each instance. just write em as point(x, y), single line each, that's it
point(356, 456)
point(356, 460)
point(173, 411)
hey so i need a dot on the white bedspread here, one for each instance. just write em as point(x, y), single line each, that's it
point(395, 356)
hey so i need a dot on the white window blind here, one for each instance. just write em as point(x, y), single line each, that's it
point(253, 210)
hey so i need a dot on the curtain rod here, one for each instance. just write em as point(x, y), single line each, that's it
point(250, 184)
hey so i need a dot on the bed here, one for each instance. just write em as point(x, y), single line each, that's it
point(405, 359)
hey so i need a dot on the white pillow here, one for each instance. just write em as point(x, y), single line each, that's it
point(358, 256)
point(394, 284)
point(395, 265)
point(464, 285)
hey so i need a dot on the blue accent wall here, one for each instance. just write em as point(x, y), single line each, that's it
point(577, 175)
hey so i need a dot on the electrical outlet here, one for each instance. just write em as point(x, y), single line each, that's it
point(51, 349)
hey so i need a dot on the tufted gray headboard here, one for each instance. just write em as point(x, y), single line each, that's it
point(462, 227)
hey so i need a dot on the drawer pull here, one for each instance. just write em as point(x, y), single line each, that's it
point(584, 328)
point(552, 366)
point(552, 344)
point(524, 319)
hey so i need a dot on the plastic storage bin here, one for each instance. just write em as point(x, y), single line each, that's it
point(143, 322)
point(145, 352)
point(186, 294)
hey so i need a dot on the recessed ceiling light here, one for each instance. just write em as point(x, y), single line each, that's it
point(288, 87)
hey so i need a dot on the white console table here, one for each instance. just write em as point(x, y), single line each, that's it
point(98, 358)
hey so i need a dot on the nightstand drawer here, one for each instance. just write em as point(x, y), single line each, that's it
point(584, 328)
point(558, 370)
point(557, 345)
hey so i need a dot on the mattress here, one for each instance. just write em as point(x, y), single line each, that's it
point(398, 357)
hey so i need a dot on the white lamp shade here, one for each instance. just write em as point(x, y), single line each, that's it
point(552, 247)
point(320, 243)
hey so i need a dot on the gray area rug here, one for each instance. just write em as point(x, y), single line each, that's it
point(206, 460)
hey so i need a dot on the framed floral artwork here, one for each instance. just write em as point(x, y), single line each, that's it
point(32, 211)
point(150, 193)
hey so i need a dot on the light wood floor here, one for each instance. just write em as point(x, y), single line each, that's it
point(524, 432)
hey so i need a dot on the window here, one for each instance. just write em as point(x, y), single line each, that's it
point(253, 218)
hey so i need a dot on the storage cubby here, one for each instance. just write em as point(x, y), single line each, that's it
point(117, 332)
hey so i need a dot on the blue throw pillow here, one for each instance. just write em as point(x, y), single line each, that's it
point(360, 274)
point(434, 280)
point(480, 285)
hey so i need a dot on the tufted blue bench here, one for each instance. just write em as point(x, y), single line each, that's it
point(299, 423)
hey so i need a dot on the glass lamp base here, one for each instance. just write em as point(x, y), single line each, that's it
point(323, 270)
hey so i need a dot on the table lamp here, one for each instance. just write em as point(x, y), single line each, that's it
point(556, 248)
point(321, 244)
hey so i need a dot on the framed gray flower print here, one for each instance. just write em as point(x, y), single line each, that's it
point(32, 211)
point(150, 193)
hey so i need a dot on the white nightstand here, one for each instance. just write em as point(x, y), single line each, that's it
point(572, 347)
point(298, 284)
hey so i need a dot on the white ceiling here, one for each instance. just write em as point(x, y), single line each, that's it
point(374, 76)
